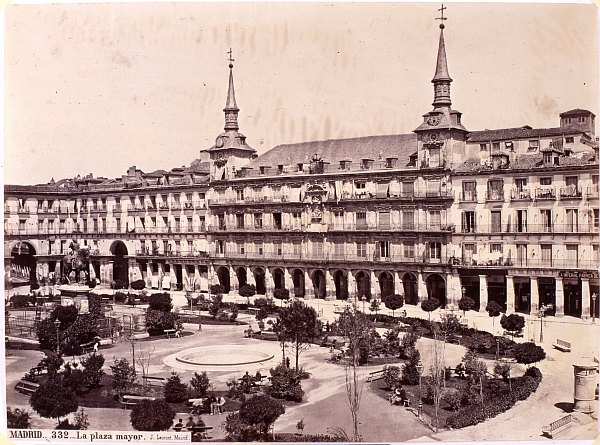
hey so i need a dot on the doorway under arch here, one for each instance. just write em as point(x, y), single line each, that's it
point(341, 285)
point(242, 276)
point(363, 285)
point(318, 281)
point(259, 279)
point(436, 288)
point(298, 279)
point(223, 275)
point(120, 270)
point(409, 282)
point(23, 263)
point(386, 284)
point(278, 278)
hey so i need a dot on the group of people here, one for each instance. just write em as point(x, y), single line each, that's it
point(214, 403)
point(399, 397)
point(190, 425)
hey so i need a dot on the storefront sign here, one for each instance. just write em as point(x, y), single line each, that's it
point(571, 274)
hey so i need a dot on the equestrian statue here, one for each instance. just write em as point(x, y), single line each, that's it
point(77, 260)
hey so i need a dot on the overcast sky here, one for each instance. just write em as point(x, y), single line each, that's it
point(99, 87)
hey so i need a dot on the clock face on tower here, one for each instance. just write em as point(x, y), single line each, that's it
point(433, 120)
point(219, 142)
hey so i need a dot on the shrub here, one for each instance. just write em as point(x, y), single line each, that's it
point(407, 343)
point(18, 419)
point(158, 321)
point(152, 415)
point(528, 353)
point(261, 412)
point(175, 390)
point(160, 302)
point(247, 290)
point(117, 284)
point(466, 304)
point(138, 284)
point(92, 370)
point(394, 302)
point(493, 309)
point(285, 384)
point(503, 370)
point(200, 383)
point(281, 294)
point(123, 375)
point(217, 289)
point(53, 399)
point(430, 305)
point(513, 323)
point(410, 373)
point(235, 389)
point(21, 301)
point(534, 372)
point(392, 376)
point(480, 341)
point(120, 297)
point(452, 397)
point(216, 304)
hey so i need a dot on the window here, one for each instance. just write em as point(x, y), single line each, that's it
point(50, 247)
point(408, 189)
point(546, 254)
point(571, 181)
point(496, 190)
point(508, 145)
point(361, 220)
point(533, 145)
point(277, 221)
point(296, 220)
point(84, 225)
point(581, 119)
point(546, 218)
point(384, 220)
point(469, 191)
point(521, 184)
point(409, 249)
point(239, 193)
point(258, 248)
point(239, 221)
point(258, 220)
point(338, 218)
point(521, 221)
point(496, 221)
point(435, 219)
point(63, 245)
point(572, 255)
point(278, 248)
point(361, 249)
point(220, 247)
point(99, 224)
point(118, 224)
point(521, 254)
point(390, 162)
point(546, 180)
point(366, 163)
point(434, 157)
point(483, 147)
point(435, 250)
point(383, 249)
point(496, 146)
point(221, 219)
point(572, 218)
point(360, 186)
point(468, 252)
point(496, 248)
point(339, 249)
point(569, 140)
point(468, 222)
point(297, 248)
point(408, 219)
point(596, 216)
point(433, 188)
point(317, 249)
point(22, 225)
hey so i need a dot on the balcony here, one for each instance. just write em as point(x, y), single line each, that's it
point(592, 192)
point(520, 195)
point(494, 195)
point(137, 210)
point(467, 196)
point(23, 210)
point(181, 253)
point(502, 262)
point(530, 228)
point(570, 192)
point(548, 193)
point(99, 209)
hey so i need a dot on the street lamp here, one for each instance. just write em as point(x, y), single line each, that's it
point(594, 298)
point(57, 325)
point(497, 348)
point(420, 371)
point(541, 314)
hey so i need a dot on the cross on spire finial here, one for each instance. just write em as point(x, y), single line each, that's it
point(231, 59)
point(442, 18)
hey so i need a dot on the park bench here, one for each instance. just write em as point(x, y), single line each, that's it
point(38, 370)
point(155, 381)
point(26, 387)
point(375, 375)
point(169, 332)
point(129, 400)
point(202, 431)
point(88, 347)
point(562, 345)
point(557, 426)
point(268, 335)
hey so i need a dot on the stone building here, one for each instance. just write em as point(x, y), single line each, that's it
point(509, 215)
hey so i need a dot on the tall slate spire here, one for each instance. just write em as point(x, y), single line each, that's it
point(441, 80)
point(231, 109)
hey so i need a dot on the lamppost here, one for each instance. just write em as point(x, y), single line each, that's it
point(541, 314)
point(497, 348)
point(594, 298)
point(57, 325)
point(364, 298)
point(420, 371)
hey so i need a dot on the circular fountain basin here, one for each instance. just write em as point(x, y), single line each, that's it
point(224, 355)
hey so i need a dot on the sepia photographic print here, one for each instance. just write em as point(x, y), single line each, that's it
point(301, 222)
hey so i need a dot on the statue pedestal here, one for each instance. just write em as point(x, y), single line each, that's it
point(75, 295)
point(586, 379)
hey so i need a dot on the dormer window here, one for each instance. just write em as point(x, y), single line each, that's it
point(264, 169)
point(547, 158)
point(509, 145)
point(483, 147)
point(300, 166)
point(390, 162)
point(412, 160)
point(496, 146)
point(345, 165)
point(533, 145)
point(569, 140)
point(366, 163)
point(280, 169)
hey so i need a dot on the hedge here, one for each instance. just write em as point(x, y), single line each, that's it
point(473, 414)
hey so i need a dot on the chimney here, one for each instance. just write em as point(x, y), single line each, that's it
point(131, 171)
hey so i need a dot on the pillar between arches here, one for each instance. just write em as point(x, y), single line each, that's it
point(510, 295)
point(585, 298)
point(309, 291)
point(421, 289)
point(289, 283)
point(329, 286)
point(560, 297)
point(269, 284)
point(398, 284)
point(250, 277)
point(351, 286)
point(535, 295)
point(483, 292)
point(374, 281)
point(233, 280)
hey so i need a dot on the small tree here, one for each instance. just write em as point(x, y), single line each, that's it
point(18, 419)
point(430, 305)
point(247, 291)
point(123, 375)
point(200, 383)
point(493, 309)
point(215, 305)
point(466, 304)
point(410, 372)
point(152, 415)
point(394, 302)
point(299, 325)
point(374, 308)
point(53, 400)
point(217, 289)
point(92, 370)
point(528, 353)
point(513, 323)
point(261, 412)
point(285, 384)
point(392, 376)
point(160, 302)
point(175, 390)
point(281, 294)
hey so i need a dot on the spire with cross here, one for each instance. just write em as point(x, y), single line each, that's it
point(231, 59)
point(442, 18)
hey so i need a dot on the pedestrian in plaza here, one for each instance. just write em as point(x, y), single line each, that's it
point(190, 424)
point(179, 425)
point(213, 405)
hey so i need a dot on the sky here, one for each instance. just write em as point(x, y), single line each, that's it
point(96, 88)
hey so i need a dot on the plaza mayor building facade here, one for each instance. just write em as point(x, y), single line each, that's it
point(509, 215)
